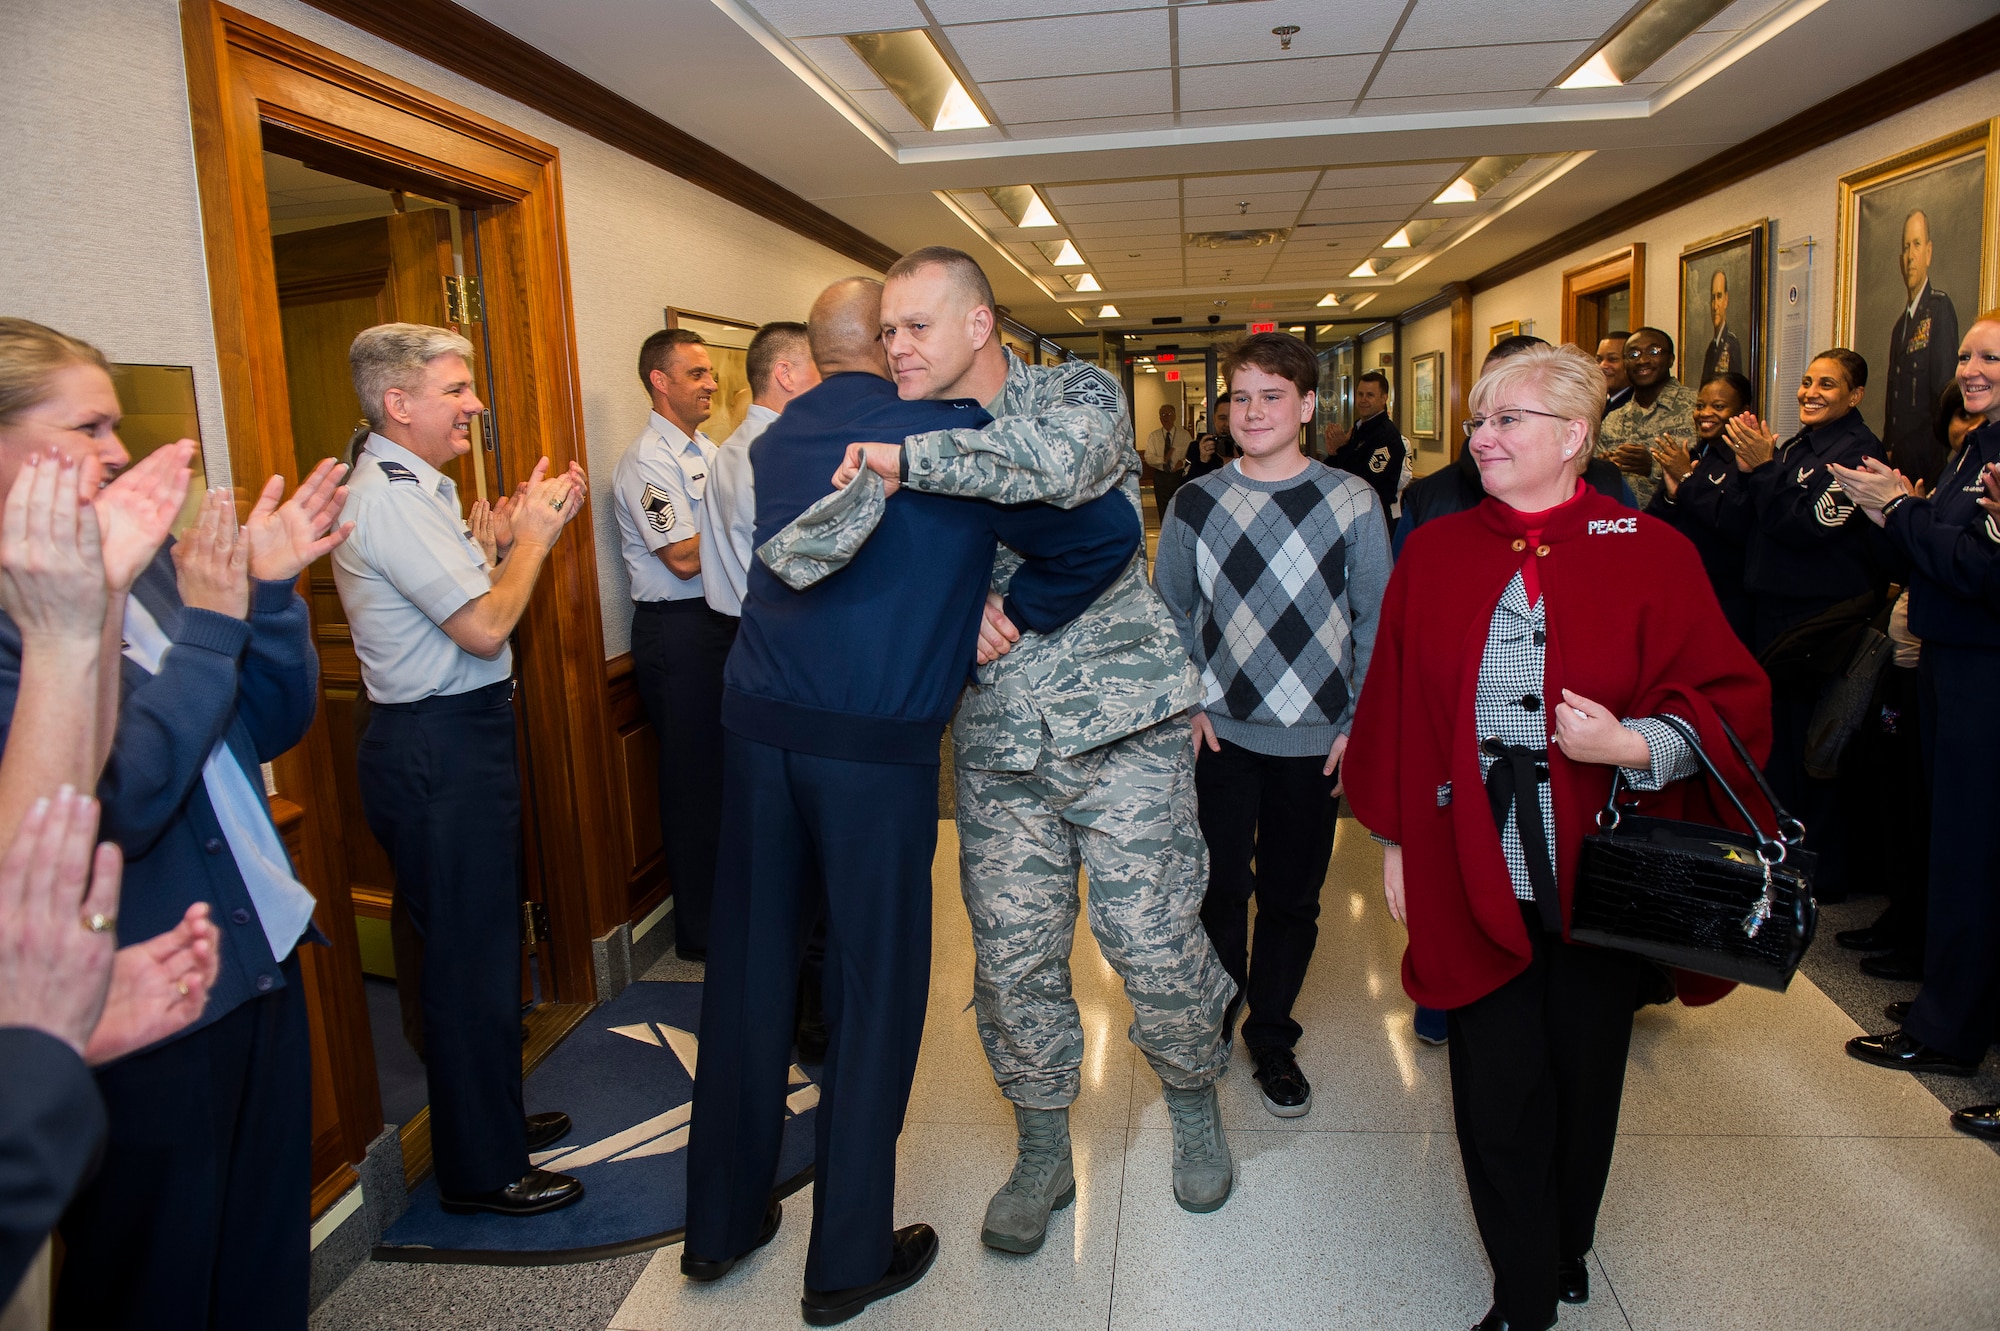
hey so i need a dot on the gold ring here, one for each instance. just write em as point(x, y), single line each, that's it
point(182, 985)
point(99, 923)
point(556, 504)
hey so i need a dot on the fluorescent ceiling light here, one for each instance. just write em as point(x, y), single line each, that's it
point(1329, 300)
point(909, 65)
point(1024, 207)
point(1416, 233)
point(1362, 301)
point(1107, 312)
point(1481, 176)
point(1365, 269)
point(1084, 282)
point(1297, 331)
point(1062, 253)
point(1651, 33)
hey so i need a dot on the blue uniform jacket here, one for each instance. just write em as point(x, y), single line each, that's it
point(255, 681)
point(1953, 562)
point(1698, 513)
point(868, 663)
point(51, 1129)
point(1803, 539)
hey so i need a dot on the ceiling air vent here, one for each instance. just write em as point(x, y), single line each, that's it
point(1237, 240)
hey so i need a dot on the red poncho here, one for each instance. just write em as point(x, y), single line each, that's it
point(1632, 623)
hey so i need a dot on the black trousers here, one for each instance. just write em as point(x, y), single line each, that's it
point(1537, 1073)
point(678, 648)
point(1958, 1009)
point(1279, 813)
point(198, 1216)
point(1893, 753)
point(870, 829)
point(442, 793)
point(1814, 801)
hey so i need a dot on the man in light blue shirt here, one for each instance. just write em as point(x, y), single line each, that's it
point(780, 366)
point(431, 621)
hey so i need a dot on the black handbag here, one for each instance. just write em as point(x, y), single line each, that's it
point(1735, 905)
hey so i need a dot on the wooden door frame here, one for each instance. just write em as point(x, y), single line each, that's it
point(244, 74)
point(1624, 266)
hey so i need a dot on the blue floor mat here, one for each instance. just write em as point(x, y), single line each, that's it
point(625, 1077)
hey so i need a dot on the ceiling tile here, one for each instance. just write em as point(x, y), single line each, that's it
point(1114, 191)
point(1131, 210)
point(1379, 213)
point(980, 11)
point(807, 18)
point(1402, 173)
point(1224, 206)
point(836, 60)
point(1454, 23)
point(1473, 69)
point(1129, 234)
point(1045, 48)
point(1374, 194)
point(1306, 83)
point(1216, 34)
point(1081, 97)
point(883, 108)
point(1249, 184)
point(1234, 221)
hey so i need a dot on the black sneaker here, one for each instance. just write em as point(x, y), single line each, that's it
point(1286, 1092)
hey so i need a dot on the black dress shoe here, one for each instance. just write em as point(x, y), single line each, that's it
point(534, 1192)
point(704, 1270)
point(1898, 1011)
point(1493, 1321)
point(911, 1253)
point(1979, 1121)
point(1892, 966)
point(1897, 1050)
point(1573, 1282)
point(1872, 939)
point(810, 1040)
point(546, 1130)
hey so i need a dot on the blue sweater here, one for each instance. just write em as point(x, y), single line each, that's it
point(867, 664)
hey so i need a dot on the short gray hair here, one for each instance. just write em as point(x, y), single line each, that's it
point(1563, 379)
point(394, 356)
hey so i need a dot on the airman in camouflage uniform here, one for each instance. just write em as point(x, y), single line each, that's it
point(1075, 750)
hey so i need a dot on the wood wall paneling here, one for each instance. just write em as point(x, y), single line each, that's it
point(635, 756)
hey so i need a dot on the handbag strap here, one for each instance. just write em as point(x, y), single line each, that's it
point(1790, 830)
point(1770, 849)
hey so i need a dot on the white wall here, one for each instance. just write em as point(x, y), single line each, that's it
point(101, 235)
point(1801, 195)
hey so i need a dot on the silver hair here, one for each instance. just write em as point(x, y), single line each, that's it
point(1563, 379)
point(394, 356)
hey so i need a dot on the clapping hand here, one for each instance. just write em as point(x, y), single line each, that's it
point(157, 987)
point(479, 521)
point(1989, 480)
point(284, 539)
point(51, 556)
point(213, 560)
point(1753, 440)
point(1871, 486)
point(1676, 461)
point(546, 505)
point(58, 920)
point(137, 509)
point(1634, 459)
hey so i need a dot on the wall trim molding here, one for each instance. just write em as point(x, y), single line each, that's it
point(1950, 64)
point(489, 55)
point(1446, 294)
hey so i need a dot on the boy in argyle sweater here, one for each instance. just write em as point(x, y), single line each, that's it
point(1274, 568)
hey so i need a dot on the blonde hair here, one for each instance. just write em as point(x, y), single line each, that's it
point(1564, 379)
point(30, 355)
point(394, 356)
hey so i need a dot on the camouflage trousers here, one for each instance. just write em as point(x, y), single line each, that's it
point(1126, 813)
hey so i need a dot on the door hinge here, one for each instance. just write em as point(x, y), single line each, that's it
point(461, 301)
point(534, 922)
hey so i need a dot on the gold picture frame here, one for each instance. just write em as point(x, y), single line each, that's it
point(1426, 389)
point(1740, 257)
point(1954, 181)
point(1512, 328)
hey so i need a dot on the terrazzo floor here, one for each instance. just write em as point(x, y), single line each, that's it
point(1762, 1180)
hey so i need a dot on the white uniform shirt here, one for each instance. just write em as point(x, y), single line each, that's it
point(729, 515)
point(660, 482)
point(1160, 442)
point(410, 565)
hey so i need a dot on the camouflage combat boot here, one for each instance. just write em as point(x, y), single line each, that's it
point(1017, 1219)
point(1203, 1171)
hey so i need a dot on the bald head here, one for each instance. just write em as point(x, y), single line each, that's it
point(845, 328)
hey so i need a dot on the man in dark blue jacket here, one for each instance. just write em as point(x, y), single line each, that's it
point(835, 700)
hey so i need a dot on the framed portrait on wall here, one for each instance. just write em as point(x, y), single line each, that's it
point(1426, 373)
point(1723, 286)
point(1499, 331)
point(1915, 263)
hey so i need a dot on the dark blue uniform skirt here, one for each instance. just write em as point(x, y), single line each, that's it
point(443, 795)
point(871, 830)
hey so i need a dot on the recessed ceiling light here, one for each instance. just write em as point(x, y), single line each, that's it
point(1481, 176)
point(1415, 233)
point(1084, 282)
point(1649, 34)
point(1297, 330)
point(1066, 255)
point(1024, 207)
point(1107, 312)
point(1366, 269)
point(1595, 72)
point(1329, 300)
point(909, 65)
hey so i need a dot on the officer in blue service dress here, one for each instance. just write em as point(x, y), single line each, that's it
point(1923, 355)
point(431, 621)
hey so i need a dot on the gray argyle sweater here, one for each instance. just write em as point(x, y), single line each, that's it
point(1276, 587)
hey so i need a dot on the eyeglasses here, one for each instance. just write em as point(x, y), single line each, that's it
point(1504, 422)
point(1634, 353)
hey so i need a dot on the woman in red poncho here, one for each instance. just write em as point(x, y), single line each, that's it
point(1527, 647)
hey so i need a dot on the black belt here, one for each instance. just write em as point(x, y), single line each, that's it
point(470, 700)
point(681, 606)
point(1514, 782)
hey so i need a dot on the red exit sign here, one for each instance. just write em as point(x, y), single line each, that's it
point(1264, 328)
point(1166, 358)
point(1173, 376)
